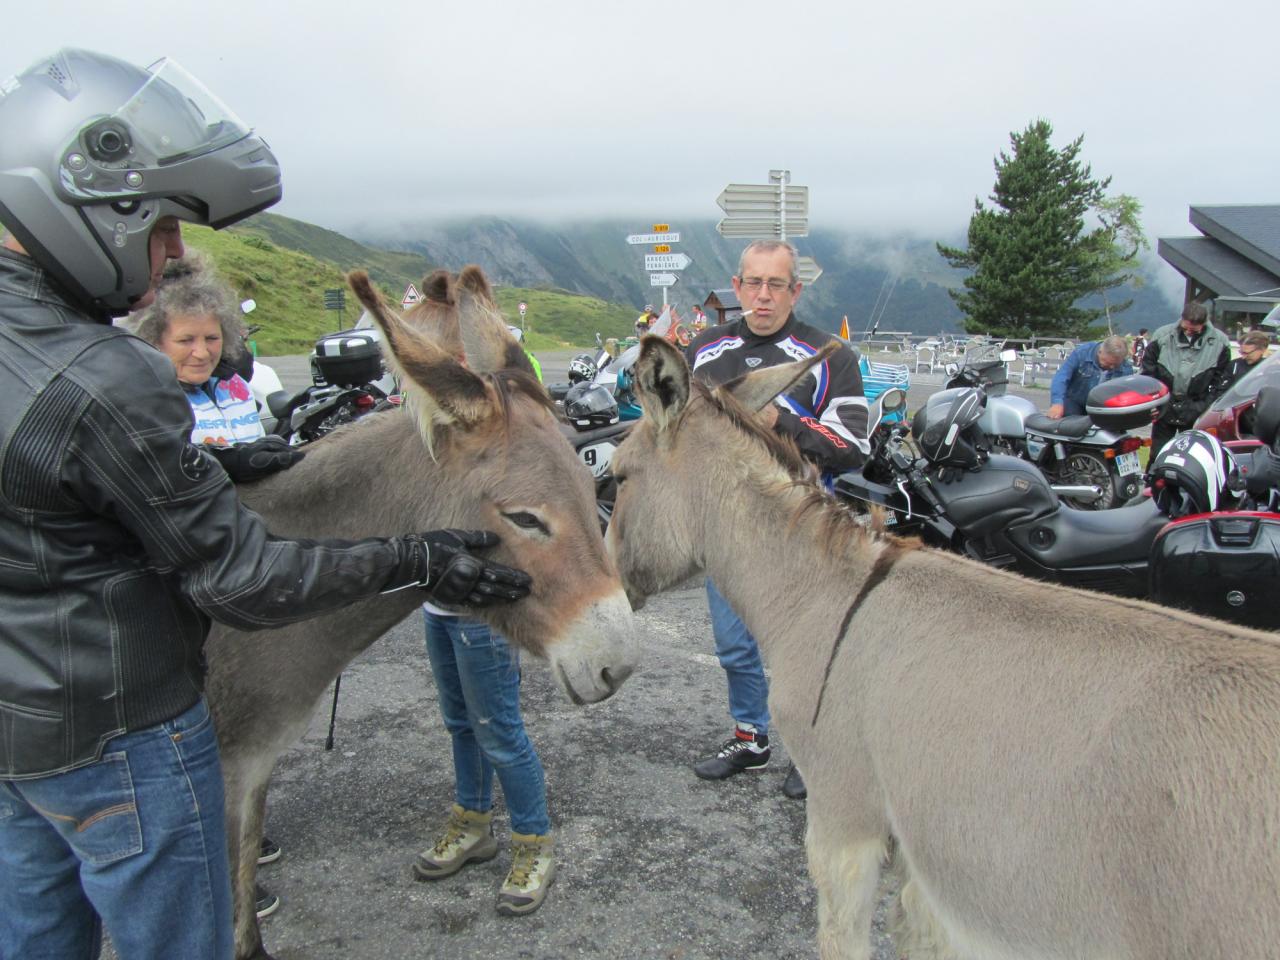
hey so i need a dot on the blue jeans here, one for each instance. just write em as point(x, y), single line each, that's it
point(136, 841)
point(743, 668)
point(478, 679)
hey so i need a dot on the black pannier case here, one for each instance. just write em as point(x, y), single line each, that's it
point(348, 358)
point(1126, 403)
point(1230, 562)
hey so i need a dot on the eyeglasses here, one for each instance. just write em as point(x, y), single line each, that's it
point(775, 285)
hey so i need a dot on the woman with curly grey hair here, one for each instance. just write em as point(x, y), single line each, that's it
point(195, 323)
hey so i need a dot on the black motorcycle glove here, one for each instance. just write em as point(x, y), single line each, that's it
point(441, 562)
point(246, 462)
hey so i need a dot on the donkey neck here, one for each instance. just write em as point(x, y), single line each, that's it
point(774, 567)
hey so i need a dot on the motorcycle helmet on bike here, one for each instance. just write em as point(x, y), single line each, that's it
point(95, 151)
point(1193, 473)
point(947, 433)
point(582, 369)
point(588, 405)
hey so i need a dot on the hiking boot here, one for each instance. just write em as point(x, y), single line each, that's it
point(265, 902)
point(793, 787)
point(745, 750)
point(269, 852)
point(467, 837)
point(533, 870)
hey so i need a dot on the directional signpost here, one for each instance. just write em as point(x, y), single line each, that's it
point(666, 261)
point(774, 210)
point(645, 238)
point(662, 260)
point(807, 270)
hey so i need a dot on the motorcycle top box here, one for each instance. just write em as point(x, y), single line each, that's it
point(1126, 403)
point(348, 358)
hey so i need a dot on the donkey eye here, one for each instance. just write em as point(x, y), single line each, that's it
point(527, 521)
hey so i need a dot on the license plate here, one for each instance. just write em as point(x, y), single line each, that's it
point(1127, 463)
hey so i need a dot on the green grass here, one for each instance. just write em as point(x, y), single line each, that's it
point(286, 265)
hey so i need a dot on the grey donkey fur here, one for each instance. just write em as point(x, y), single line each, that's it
point(500, 463)
point(1054, 773)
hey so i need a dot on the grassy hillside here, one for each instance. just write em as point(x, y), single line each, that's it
point(286, 265)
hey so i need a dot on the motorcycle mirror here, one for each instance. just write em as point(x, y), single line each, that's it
point(893, 400)
point(248, 306)
point(951, 369)
point(599, 342)
point(1008, 356)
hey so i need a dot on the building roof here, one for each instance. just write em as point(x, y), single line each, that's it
point(1217, 267)
point(1237, 261)
point(1251, 230)
point(726, 299)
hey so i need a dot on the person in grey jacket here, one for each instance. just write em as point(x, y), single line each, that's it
point(119, 539)
point(1193, 359)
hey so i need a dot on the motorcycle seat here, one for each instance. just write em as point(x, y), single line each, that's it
point(1071, 428)
point(1086, 538)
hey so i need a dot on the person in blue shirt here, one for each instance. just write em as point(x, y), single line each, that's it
point(1089, 365)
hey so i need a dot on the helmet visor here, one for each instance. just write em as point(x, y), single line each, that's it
point(174, 117)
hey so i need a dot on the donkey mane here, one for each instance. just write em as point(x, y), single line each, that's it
point(837, 529)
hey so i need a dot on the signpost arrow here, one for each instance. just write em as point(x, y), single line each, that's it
point(635, 239)
point(807, 270)
point(758, 228)
point(663, 279)
point(761, 200)
point(666, 261)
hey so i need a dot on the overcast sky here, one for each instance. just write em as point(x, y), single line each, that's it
point(891, 113)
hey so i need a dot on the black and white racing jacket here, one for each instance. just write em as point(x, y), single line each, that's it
point(825, 413)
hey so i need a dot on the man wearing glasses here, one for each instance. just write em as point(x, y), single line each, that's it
point(1254, 348)
point(825, 414)
point(1193, 359)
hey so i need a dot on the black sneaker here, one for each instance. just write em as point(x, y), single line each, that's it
point(793, 787)
point(265, 901)
point(745, 750)
point(269, 852)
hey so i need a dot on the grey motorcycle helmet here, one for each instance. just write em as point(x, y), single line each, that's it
point(94, 151)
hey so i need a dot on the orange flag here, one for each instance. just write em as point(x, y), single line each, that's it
point(844, 327)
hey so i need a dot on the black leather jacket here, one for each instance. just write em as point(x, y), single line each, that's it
point(119, 539)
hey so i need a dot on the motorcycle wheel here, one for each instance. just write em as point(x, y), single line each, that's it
point(1082, 467)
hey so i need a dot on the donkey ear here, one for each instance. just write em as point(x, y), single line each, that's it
point(484, 331)
point(446, 390)
point(757, 389)
point(661, 381)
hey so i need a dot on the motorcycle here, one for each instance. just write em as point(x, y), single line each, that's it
point(609, 367)
point(937, 483)
point(349, 381)
point(1094, 452)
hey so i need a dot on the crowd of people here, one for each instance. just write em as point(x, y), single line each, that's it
point(124, 535)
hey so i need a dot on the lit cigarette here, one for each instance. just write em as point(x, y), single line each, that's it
point(747, 313)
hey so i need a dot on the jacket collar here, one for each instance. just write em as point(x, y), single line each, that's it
point(21, 276)
point(781, 333)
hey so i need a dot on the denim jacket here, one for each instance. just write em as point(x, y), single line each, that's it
point(1079, 374)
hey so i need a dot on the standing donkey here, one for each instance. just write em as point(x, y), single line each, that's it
point(480, 448)
point(1052, 773)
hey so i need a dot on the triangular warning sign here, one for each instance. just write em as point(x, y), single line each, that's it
point(844, 327)
point(411, 296)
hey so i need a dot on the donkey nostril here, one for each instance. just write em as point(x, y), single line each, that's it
point(614, 677)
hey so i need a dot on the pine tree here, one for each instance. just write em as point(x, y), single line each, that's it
point(1032, 260)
